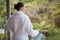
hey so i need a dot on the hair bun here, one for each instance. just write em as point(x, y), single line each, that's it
point(15, 6)
point(18, 5)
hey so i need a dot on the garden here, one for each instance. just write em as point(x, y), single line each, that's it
point(44, 15)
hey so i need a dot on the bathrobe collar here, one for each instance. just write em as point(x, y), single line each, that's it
point(18, 12)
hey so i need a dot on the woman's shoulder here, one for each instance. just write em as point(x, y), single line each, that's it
point(26, 16)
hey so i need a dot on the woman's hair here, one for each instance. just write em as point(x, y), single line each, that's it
point(18, 5)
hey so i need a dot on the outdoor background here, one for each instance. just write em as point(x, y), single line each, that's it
point(44, 14)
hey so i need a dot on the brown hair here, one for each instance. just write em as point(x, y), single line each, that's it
point(18, 5)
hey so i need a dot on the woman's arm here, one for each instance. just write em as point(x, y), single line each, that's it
point(29, 28)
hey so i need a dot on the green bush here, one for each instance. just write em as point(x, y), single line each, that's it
point(1, 22)
point(2, 36)
point(43, 25)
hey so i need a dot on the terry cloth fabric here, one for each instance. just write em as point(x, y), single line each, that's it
point(21, 26)
point(40, 37)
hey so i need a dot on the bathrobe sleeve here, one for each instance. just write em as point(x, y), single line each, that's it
point(7, 25)
point(29, 28)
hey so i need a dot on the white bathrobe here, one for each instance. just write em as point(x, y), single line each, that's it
point(40, 37)
point(21, 26)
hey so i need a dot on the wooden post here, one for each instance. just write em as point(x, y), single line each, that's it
point(8, 8)
point(8, 12)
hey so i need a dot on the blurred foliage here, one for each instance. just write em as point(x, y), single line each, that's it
point(2, 8)
point(56, 18)
point(45, 15)
point(43, 25)
point(2, 37)
point(2, 22)
point(54, 34)
point(38, 10)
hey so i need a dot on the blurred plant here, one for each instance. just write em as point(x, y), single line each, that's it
point(56, 18)
point(2, 37)
point(1, 22)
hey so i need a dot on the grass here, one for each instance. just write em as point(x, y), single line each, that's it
point(2, 37)
point(55, 35)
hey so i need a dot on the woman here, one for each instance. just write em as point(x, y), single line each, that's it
point(20, 24)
